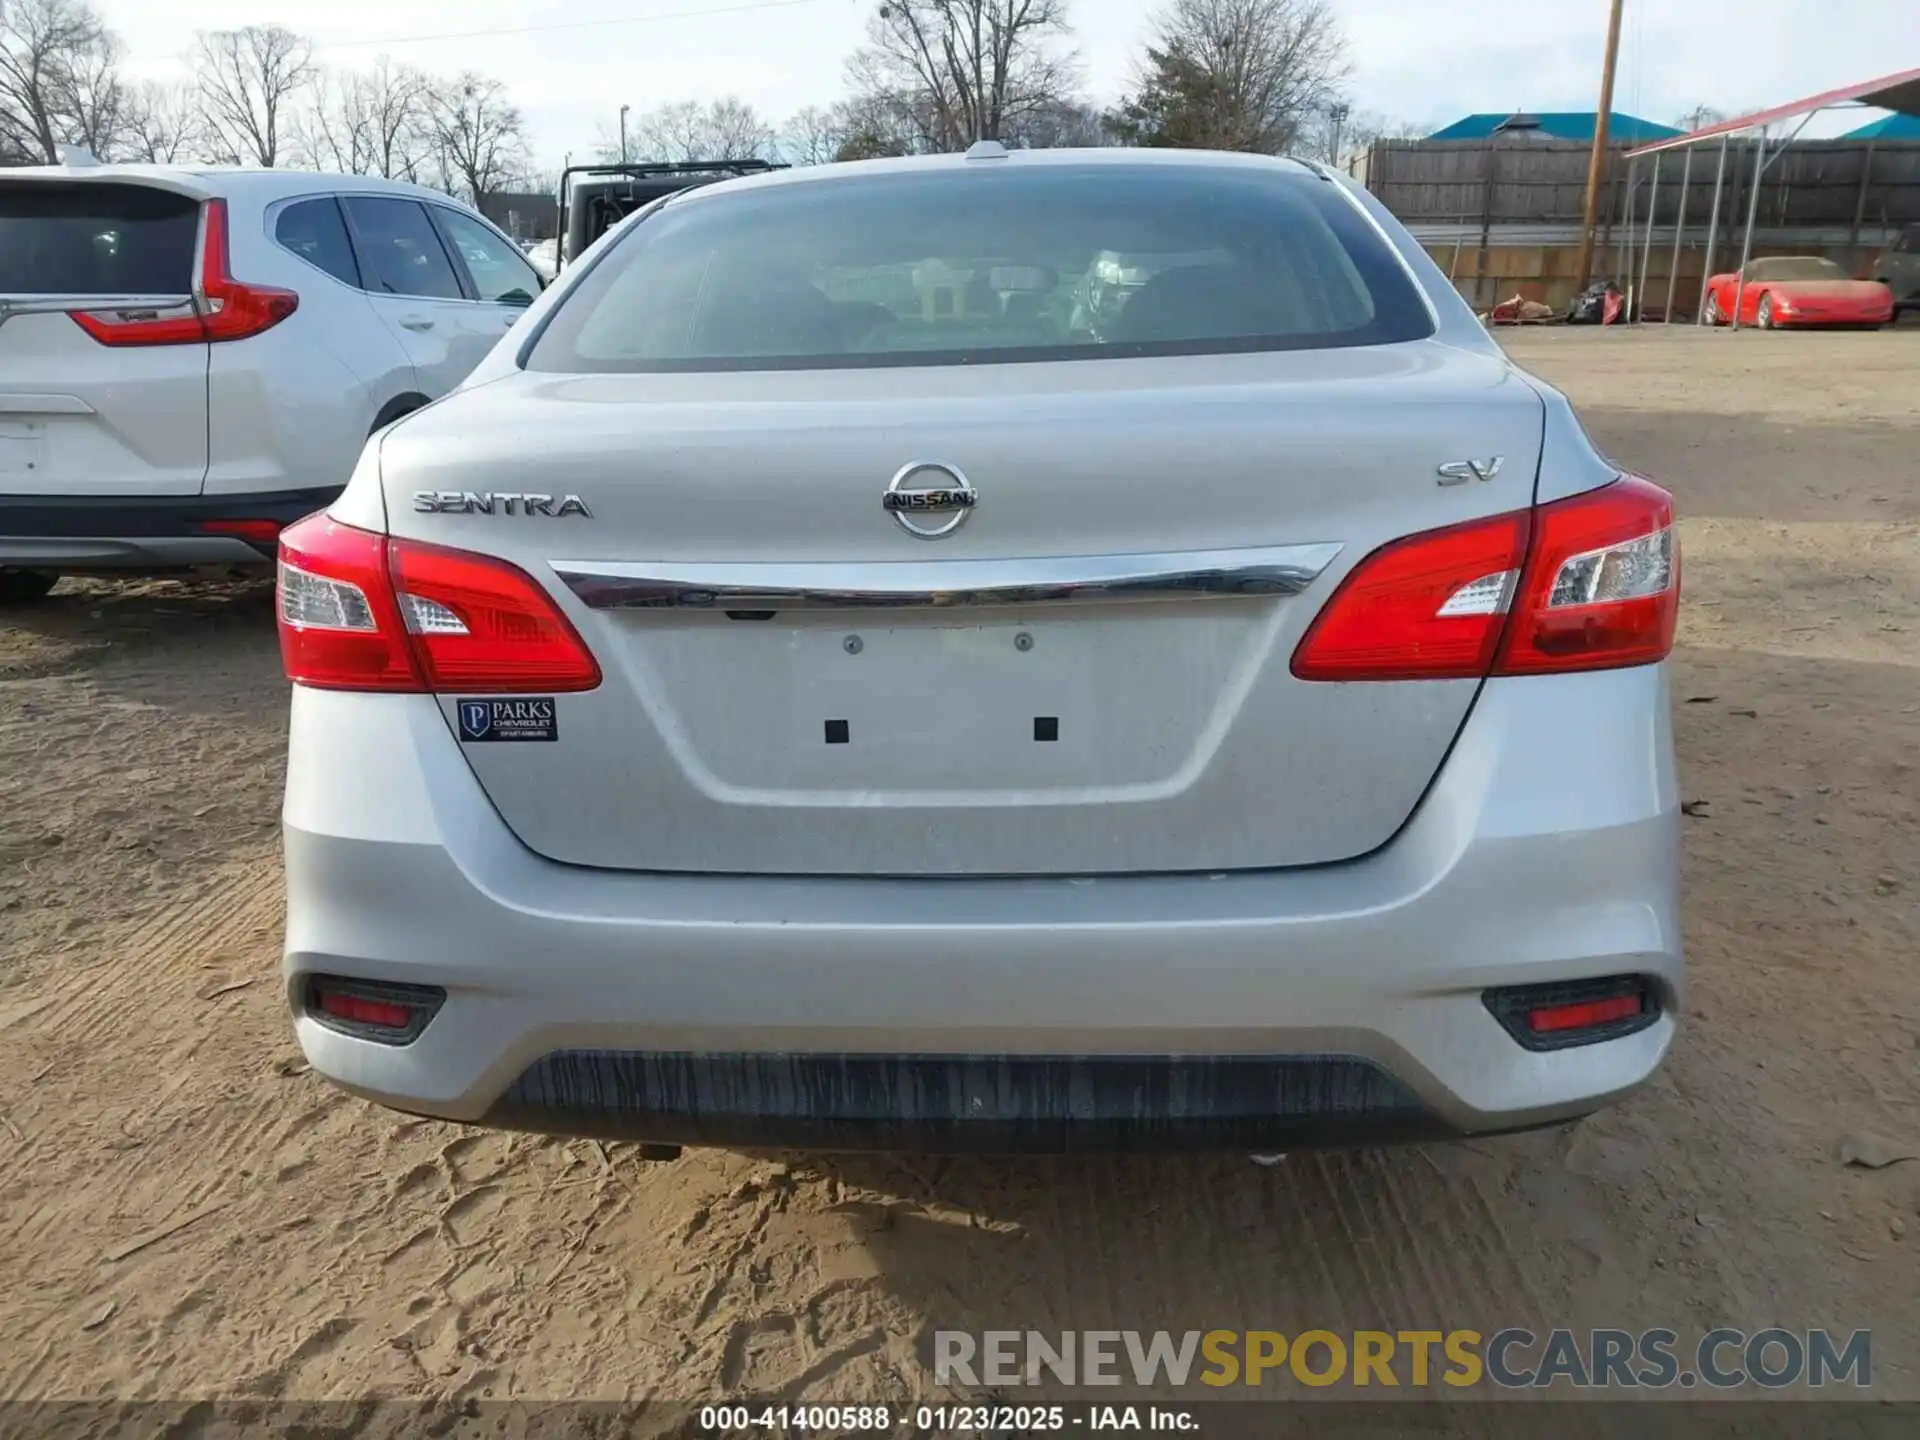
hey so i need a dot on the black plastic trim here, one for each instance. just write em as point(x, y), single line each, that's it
point(134, 517)
point(423, 1002)
point(1510, 1005)
point(398, 408)
point(981, 1104)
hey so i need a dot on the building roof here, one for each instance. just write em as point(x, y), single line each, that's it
point(1899, 92)
point(1892, 127)
point(1556, 125)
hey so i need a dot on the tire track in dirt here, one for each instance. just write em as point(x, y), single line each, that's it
point(358, 1251)
point(122, 1179)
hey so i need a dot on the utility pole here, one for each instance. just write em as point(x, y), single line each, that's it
point(623, 133)
point(1337, 113)
point(1597, 163)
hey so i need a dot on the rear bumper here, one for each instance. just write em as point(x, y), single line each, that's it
point(1255, 1008)
point(142, 532)
point(1816, 319)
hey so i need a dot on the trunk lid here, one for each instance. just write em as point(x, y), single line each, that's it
point(78, 417)
point(989, 702)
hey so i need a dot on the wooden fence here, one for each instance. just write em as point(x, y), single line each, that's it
point(1498, 213)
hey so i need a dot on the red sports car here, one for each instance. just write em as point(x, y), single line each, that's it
point(1799, 290)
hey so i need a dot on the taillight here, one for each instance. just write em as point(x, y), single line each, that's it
point(340, 626)
point(360, 611)
point(173, 325)
point(1586, 583)
point(1429, 607)
point(477, 623)
point(1602, 587)
point(222, 307)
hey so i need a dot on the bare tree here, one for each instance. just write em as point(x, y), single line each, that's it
point(1070, 124)
point(1337, 135)
point(1700, 117)
point(95, 99)
point(479, 137)
point(330, 131)
point(812, 136)
point(957, 71)
point(395, 100)
point(876, 126)
point(369, 122)
point(1235, 75)
point(250, 81)
point(163, 124)
point(54, 55)
point(724, 129)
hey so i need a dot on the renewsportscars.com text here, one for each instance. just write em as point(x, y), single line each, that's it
point(1513, 1358)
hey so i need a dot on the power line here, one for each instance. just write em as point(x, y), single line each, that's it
point(568, 25)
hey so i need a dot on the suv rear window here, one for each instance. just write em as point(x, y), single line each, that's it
point(1006, 262)
point(96, 239)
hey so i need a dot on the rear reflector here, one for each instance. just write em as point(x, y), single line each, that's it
point(1587, 583)
point(371, 1009)
point(1582, 1015)
point(362, 1011)
point(222, 307)
point(360, 611)
point(1577, 1012)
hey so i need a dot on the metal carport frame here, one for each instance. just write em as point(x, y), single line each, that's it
point(1900, 92)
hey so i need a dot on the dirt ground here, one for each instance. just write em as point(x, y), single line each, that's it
point(201, 1216)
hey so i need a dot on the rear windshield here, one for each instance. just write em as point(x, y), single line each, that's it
point(1795, 267)
point(95, 240)
point(1006, 263)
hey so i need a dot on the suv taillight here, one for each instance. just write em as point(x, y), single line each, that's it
point(360, 611)
point(222, 307)
point(1591, 582)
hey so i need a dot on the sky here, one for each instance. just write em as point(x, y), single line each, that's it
point(1423, 61)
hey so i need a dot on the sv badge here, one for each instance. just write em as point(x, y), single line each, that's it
point(1459, 472)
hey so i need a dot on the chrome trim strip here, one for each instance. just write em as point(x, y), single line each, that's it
point(943, 584)
point(48, 304)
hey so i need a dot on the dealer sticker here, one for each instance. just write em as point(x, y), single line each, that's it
point(522, 719)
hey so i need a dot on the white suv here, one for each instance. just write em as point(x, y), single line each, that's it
point(192, 358)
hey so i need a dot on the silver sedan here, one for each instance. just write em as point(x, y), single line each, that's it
point(1008, 651)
